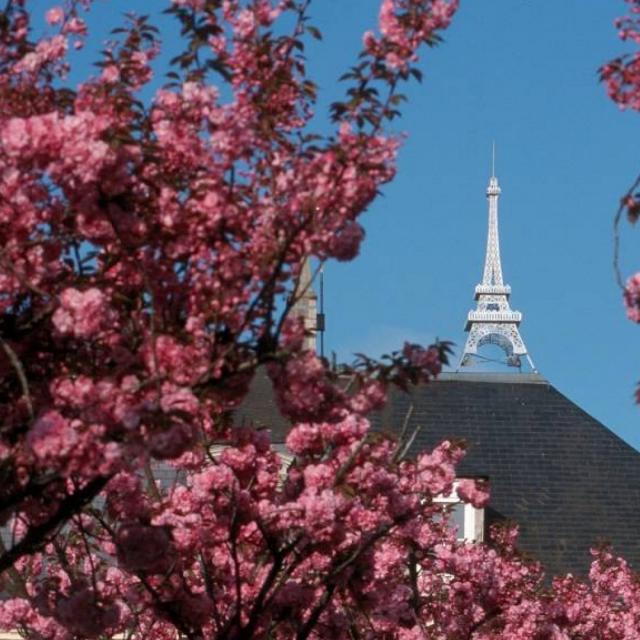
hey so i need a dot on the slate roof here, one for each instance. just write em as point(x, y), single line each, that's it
point(565, 478)
point(259, 408)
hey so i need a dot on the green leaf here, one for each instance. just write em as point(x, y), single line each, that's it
point(314, 32)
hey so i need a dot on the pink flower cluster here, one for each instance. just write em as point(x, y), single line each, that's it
point(52, 437)
point(55, 15)
point(346, 508)
point(622, 80)
point(81, 314)
point(622, 75)
point(421, 358)
point(404, 25)
point(632, 298)
point(46, 53)
point(473, 492)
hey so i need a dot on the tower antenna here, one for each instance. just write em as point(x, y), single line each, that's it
point(493, 159)
point(320, 316)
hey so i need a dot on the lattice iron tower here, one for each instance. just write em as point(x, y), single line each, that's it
point(493, 321)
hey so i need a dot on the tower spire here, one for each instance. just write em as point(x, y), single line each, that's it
point(493, 321)
point(493, 159)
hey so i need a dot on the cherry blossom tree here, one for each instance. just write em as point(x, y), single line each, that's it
point(151, 255)
point(146, 247)
point(621, 77)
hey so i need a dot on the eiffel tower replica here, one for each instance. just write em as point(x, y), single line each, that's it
point(493, 321)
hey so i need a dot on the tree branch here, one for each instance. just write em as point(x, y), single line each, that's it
point(38, 535)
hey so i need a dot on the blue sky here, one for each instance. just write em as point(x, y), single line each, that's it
point(524, 74)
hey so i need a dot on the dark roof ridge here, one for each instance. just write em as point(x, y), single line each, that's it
point(490, 376)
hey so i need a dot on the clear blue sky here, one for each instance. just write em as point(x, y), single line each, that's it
point(525, 74)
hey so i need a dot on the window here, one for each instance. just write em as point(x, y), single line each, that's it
point(468, 521)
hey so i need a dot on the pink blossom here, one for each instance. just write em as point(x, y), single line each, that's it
point(212, 479)
point(183, 364)
point(473, 492)
point(15, 135)
point(632, 298)
point(621, 76)
point(178, 399)
point(76, 26)
point(318, 477)
point(389, 25)
point(437, 469)
point(244, 24)
point(55, 15)
point(110, 73)
point(46, 52)
point(81, 313)
point(241, 459)
point(370, 397)
point(369, 40)
point(305, 439)
point(320, 514)
point(52, 437)
point(428, 359)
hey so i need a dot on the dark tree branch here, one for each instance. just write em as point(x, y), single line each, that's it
point(38, 535)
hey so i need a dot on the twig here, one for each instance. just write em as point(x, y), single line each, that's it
point(403, 432)
point(17, 365)
point(409, 442)
point(616, 233)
